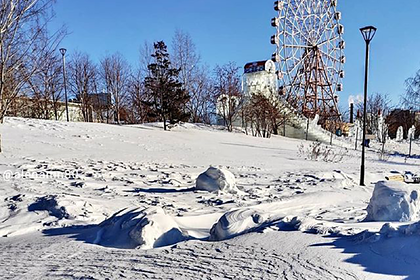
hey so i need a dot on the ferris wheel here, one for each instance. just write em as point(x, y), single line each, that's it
point(310, 55)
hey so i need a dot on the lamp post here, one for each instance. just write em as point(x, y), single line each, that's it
point(368, 33)
point(63, 54)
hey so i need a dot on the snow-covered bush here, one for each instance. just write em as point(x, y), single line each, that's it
point(216, 179)
point(394, 202)
point(321, 152)
point(383, 155)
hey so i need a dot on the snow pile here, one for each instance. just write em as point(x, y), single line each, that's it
point(388, 231)
point(411, 133)
point(49, 203)
point(339, 178)
point(394, 202)
point(144, 229)
point(310, 225)
point(236, 222)
point(400, 134)
point(216, 179)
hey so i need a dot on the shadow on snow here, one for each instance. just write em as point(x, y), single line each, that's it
point(398, 256)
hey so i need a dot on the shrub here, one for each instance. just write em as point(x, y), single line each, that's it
point(321, 152)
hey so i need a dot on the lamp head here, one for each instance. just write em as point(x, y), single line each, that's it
point(63, 51)
point(368, 33)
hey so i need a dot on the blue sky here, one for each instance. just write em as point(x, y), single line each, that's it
point(239, 31)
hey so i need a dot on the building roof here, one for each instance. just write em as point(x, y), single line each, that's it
point(257, 66)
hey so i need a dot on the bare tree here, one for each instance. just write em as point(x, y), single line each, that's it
point(46, 83)
point(20, 27)
point(403, 118)
point(201, 97)
point(383, 135)
point(83, 82)
point(258, 113)
point(376, 106)
point(115, 73)
point(384, 106)
point(146, 51)
point(138, 112)
point(193, 75)
point(21, 24)
point(228, 93)
point(411, 98)
point(265, 115)
point(185, 58)
point(280, 115)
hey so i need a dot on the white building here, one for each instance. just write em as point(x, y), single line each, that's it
point(260, 78)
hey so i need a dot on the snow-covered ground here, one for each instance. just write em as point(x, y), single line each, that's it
point(95, 201)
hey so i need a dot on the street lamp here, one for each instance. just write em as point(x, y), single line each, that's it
point(63, 54)
point(368, 33)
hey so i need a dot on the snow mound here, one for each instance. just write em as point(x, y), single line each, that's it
point(49, 203)
point(144, 229)
point(313, 226)
point(236, 222)
point(389, 231)
point(394, 202)
point(216, 179)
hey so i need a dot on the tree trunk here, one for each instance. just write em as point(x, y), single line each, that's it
point(164, 123)
point(1, 123)
point(383, 148)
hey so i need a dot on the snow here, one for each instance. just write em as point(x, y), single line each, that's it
point(49, 204)
point(400, 134)
point(395, 202)
point(215, 180)
point(236, 222)
point(137, 228)
point(76, 197)
point(411, 133)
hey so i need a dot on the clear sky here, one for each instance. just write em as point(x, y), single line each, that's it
point(240, 30)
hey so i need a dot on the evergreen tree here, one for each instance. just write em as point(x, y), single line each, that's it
point(167, 98)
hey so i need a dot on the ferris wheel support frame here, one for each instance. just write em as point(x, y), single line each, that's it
point(309, 56)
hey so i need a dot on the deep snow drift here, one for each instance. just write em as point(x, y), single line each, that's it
point(236, 222)
point(136, 228)
point(394, 202)
point(72, 195)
